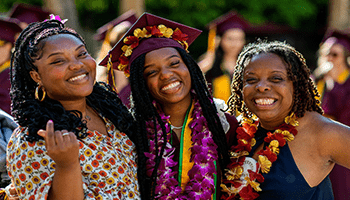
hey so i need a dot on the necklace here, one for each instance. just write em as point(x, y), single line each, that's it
point(201, 184)
point(87, 117)
point(243, 177)
point(175, 127)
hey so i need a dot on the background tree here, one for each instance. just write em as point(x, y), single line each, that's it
point(308, 17)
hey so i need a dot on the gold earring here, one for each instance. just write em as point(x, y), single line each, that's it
point(37, 93)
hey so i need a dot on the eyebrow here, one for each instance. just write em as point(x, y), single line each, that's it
point(280, 72)
point(168, 58)
point(57, 53)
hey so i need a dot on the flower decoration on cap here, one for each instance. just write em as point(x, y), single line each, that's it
point(56, 17)
point(132, 41)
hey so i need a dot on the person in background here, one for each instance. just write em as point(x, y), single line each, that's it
point(7, 126)
point(27, 14)
point(75, 140)
point(110, 34)
point(9, 30)
point(219, 63)
point(334, 87)
point(187, 129)
point(286, 147)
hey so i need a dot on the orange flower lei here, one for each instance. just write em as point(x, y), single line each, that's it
point(233, 185)
point(132, 41)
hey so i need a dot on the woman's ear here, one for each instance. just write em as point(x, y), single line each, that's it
point(348, 60)
point(35, 76)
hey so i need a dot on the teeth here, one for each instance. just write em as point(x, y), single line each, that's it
point(170, 86)
point(77, 78)
point(264, 101)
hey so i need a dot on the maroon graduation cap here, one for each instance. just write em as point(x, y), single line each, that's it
point(148, 33)
point(223, 23)
point(339, 36)
point(228, 21)
point(8, 29)
point(28, 14)
point(128, 16)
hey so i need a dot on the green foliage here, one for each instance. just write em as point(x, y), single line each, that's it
point(5, 5)
point(199, 13)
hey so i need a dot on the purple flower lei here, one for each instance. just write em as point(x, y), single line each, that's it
point(204, 154)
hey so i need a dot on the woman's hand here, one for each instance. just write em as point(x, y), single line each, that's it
point(61, 146)
point(11, 192)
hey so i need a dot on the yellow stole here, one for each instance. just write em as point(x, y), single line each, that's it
point(186, 143)
point(221, 87)
point(5, 66)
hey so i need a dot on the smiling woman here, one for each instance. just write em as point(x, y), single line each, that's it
point(284, 136)
point(187, 129)
point(76, 140)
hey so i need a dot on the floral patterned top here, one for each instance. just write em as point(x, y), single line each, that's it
point(107, 163)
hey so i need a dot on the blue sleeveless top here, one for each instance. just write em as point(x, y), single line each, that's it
point(285, 181)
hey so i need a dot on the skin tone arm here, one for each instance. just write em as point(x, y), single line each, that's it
point(336, 142)
point(64, 150)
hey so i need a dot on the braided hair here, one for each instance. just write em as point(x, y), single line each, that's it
point(305, 92)
point(144, 110)
point(34, 114)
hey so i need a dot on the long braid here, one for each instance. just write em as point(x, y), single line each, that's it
point(206, 101)
point(144, 110)
point(106, 102)
point(305, 92)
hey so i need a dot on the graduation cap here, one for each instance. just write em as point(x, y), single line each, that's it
point(28, 14)
point(223, 23)
point(128, 16)
point(8, 29)
point(338, 37)
point(148, 33)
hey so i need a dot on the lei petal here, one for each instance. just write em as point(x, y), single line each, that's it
point(265, 164)
point(234, 173)
point(167, 32)
point(178, 35)
point(247, 193)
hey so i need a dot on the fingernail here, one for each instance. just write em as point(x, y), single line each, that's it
point(50, 121)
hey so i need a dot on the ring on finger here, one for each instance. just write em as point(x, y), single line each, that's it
point(64, 134)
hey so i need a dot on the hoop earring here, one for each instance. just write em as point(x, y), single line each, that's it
point(37, 93)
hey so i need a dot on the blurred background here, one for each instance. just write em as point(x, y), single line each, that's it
point(301, 23)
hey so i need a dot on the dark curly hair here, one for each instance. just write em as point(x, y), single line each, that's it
point(144, 110)
point(305, 92)
point(31, 113)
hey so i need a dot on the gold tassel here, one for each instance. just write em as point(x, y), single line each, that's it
point(211, 40)
point(110, 75)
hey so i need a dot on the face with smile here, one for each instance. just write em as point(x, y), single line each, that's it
point(267, 90)
point(65, 69)
point(167, 77)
